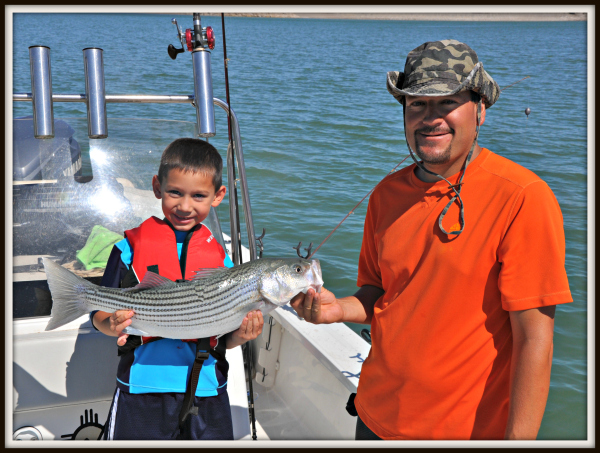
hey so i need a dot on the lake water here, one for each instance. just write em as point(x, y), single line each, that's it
point(319, 128)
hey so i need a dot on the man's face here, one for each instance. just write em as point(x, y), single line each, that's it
point(441, 129)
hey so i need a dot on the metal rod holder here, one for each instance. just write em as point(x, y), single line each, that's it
point(237, 154)
point(203, 91)
point(94, 92)
point(41, 92)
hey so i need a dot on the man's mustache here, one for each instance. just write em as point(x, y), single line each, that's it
point(435, 130)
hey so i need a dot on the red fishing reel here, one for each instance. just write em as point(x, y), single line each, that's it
point(192, 39)
point(189, 39)
point(208, 35)
point(210, 38)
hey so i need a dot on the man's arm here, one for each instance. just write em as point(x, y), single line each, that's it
point(325, 308)
point(530, 370)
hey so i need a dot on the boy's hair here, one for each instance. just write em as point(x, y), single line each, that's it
point(192, 154)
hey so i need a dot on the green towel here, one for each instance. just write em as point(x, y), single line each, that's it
point(97, 249)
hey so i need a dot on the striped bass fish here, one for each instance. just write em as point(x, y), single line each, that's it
point(214, 302)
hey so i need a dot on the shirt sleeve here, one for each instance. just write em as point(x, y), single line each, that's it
point(532, 252)
point(369, 272)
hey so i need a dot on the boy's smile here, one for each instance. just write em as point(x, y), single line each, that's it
point(187, 197)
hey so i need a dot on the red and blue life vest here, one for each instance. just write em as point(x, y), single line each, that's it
point(142, 368)
point(155, 249)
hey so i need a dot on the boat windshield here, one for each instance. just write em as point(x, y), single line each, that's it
point(73, 197)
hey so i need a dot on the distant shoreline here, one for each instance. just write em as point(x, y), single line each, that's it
point(483, 17)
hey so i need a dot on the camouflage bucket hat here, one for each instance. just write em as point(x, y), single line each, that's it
point(442, 68)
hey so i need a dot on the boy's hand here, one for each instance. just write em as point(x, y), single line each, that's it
point(318, 308)
point(250, 329)
point(118, 321)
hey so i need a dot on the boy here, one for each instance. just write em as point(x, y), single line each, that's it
point(152, 375)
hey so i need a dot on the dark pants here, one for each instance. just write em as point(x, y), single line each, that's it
point(155, 416)
point(363, 432)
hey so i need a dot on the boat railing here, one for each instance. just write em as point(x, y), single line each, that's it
point(95, 98)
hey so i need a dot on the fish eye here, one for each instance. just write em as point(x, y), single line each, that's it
point(297, 268)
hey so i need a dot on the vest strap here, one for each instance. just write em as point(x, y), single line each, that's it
point(187, 408)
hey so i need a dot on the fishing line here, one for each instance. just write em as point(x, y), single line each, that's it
point(310, 255)
point(230, 147)
point(514, 83)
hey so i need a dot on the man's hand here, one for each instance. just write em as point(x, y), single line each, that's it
point(250, 329)
point(318, 308)
point(325, 308)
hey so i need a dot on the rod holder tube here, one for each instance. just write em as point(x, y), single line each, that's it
point(203, 92)
point(41, 91)
point(94, 92)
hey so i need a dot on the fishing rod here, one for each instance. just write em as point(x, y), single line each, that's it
point(246, 348)
point(198, 41)
point(230, 159)
point(309, 248)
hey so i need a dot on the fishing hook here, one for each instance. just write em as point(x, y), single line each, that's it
point(307, 250)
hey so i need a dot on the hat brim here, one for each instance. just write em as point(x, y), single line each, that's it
point(445, 87)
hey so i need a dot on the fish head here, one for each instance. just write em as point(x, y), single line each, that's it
point(287, 277)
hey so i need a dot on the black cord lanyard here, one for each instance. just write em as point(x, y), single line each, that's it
point(455, 187)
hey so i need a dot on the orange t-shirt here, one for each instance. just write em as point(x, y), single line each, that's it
point(439, 363)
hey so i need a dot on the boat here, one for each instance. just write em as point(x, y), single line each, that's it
point(79, 179)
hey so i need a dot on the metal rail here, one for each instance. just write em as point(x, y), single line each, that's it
point(116, 98)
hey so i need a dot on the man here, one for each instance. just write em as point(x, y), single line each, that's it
point(461, 266)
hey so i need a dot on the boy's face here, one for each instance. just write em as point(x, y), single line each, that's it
point(187, 197)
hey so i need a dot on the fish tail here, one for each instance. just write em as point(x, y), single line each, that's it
point(68, 303)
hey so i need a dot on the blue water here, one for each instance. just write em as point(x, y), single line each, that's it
point(319, 128)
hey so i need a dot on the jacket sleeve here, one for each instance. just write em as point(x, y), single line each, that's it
point(113, 274)
point(369, 272)
point(115, 270)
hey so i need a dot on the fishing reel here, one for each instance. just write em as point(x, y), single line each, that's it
point(192, 38)
point(199, 41)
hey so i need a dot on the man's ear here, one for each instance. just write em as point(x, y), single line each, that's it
point(482, 114)
point(219, 195)
point(156, 187)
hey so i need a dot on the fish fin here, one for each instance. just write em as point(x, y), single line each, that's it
point(133, 331)
point(152, 280)
point(203, 273)
point(270, 290)
point(65, 288)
